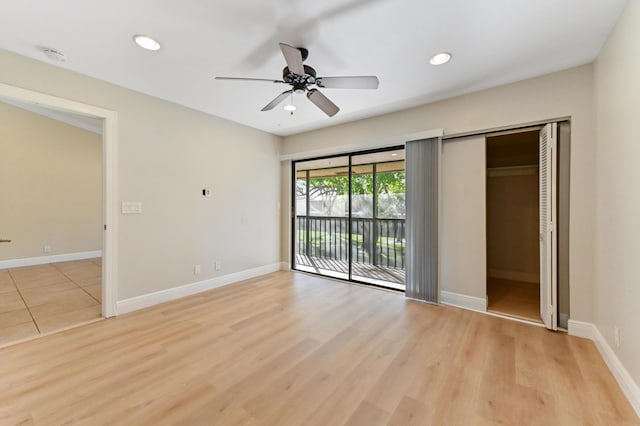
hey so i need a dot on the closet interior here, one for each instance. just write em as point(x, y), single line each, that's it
point(513, 217)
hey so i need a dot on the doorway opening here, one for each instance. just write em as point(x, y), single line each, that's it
point(527, 189)
point(57, 264)
point(349, 217)
point(513, 218)
point(51, 216)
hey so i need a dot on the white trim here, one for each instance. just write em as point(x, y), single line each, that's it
point(151, 299)
point(109, 178)
point(514, 276)
point(439, 224)
point(345, 149)
point(581, 329)
point(110, 195)
point(477, 304)
point(629, 387)
point(59, 116)
point(54, 258)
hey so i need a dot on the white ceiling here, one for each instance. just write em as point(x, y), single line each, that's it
point(493, 42)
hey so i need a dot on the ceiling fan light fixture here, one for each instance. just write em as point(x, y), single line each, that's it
point(302, 78)
point(146, 42)
point(440, 58)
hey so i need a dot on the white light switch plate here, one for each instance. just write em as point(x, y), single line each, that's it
point(131, 207)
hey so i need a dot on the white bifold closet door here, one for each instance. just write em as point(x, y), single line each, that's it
point(548, 229)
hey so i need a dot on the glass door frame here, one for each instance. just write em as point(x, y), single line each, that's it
point(349, 155)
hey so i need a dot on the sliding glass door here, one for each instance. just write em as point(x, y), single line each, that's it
point(350, 216)
point(322, 217)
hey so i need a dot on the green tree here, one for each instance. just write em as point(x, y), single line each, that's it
point(329, 188)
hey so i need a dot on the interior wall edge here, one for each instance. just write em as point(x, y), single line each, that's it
point(629, 387)
point(285, 266)
point(616, 300)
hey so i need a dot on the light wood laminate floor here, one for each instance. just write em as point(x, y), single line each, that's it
point(514, 298)
point(293, 349)
point(41, 299)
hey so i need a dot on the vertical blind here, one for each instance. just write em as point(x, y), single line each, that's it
point(422, 171)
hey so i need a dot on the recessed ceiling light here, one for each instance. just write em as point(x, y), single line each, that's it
point(290, 107)
point(146, 42)
point(393, 154)
point(440, 58)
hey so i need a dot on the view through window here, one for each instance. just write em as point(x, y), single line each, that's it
point(350, 217)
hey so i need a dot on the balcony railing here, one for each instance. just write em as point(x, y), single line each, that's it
point(378, 242)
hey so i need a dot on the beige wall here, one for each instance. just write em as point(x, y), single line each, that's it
point(50, 186)
point(617, 283)
point(562, 94)
point(166, 154)
point(463, 259)
point(513, 246)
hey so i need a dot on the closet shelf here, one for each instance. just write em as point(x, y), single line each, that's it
point(513, 170)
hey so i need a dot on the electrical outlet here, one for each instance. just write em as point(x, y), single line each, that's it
point(46, 249)
point(218, 265)
point(196, 270)
point(616, 336)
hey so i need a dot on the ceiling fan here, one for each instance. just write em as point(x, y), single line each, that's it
point(302, 78)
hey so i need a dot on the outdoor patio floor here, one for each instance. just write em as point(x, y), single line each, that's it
point(371, 274)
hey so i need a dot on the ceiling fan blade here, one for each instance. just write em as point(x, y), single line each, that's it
point(293, 58)
point(281, 97)
point(249, 79)
point(322, 102)
point(359, 82)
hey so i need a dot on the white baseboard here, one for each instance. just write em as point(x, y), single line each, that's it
point(146, 300)
point(626, 382)
point(581, 329)
point(54, 258)
point(514, 276)
point(478, 304)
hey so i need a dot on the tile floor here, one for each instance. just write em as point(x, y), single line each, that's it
point(40, 299)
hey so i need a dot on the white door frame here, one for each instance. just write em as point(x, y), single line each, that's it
point(109, 179)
